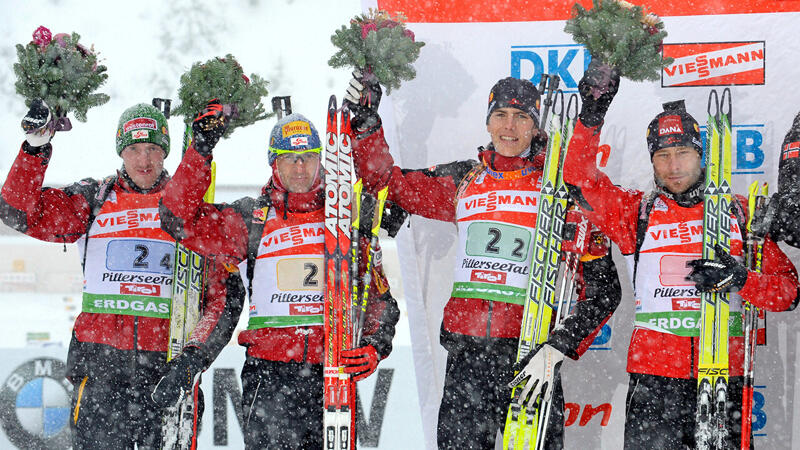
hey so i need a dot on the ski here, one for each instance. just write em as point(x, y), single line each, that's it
point(711, 431)
point(180, 422)
point(755, 201)
point(526, 420)
point(339, 390)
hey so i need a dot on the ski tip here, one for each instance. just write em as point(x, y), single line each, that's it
point(332, 102)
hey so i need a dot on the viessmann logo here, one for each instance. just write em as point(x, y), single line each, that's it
point(714, 64)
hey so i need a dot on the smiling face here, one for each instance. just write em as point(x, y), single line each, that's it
point(298, 171)
point(676, 168)
point(144, 163)
point(511, 130)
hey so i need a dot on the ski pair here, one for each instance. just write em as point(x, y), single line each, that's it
point(711, 430)
point(339, 391)
point(526, 420)
point(179, 424)
point(756, 200)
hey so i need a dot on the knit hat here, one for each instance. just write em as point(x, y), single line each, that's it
point(293, 134)
point(673, 128)
point(514, 93)
point(142, 123)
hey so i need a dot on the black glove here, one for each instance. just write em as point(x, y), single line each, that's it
point(363, 96)
point(38, 127)
point(598, 87)
point(723, 274)
point(209, 126)
point(179, 378)
point(783, 213)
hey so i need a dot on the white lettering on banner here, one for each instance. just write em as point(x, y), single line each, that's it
point(673, 323)
point(296, 235)
point(716, 63)
point(506, 201)
point(126, 220)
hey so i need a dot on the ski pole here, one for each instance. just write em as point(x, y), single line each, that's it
point(377, 216)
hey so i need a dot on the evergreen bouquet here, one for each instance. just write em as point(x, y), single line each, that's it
point(621, 35)
point(60, 71)
point(377, 43)
point(222, 78)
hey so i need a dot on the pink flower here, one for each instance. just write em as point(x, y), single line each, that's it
point(409, 34)
point(60, 38)
point(42, 37)
point(366, 28)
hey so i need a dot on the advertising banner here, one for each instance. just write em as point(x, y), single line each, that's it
point(440, 116)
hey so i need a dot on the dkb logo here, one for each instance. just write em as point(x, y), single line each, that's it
point(568, 61)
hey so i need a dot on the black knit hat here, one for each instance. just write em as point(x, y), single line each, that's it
point(673, 128)
point(514, 93)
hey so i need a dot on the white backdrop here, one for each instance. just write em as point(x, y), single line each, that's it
point(440, 116)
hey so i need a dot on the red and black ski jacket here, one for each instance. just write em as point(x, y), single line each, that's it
point(616, 211)
point(109, 345)
point(231, 232)
point(432, 193)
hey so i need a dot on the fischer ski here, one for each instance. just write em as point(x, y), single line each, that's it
point(339, 391)
point(754, 251)
point(179, 425)
point(526, 420)
point(711, 430)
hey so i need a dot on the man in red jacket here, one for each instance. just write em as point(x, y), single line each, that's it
point(659, 233)
point(277, 240)
point(493, 204)
point(119, 341)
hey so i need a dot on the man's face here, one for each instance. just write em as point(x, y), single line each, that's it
point(144, 163)
point(511, 130)
point(298, 171)
point(676, 168)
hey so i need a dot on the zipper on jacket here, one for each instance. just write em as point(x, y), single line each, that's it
point(691, 368)
point(135, 344)
point(489, 319)
point(305, 347)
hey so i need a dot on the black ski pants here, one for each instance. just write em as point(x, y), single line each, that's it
point(660, 412)
point(476, 396)
point(107, 413)
point(282, 404)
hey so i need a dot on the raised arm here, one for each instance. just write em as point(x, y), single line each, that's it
point(54, 215)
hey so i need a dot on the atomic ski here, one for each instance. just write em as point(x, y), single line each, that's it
point(711, 431)
point(339, 390)
point(526, 420)
point(754, 250)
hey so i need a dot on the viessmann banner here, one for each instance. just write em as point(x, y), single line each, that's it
point(749, 46)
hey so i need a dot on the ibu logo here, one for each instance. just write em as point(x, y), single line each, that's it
point(35, 405)
point(748, 147)
point(568, 61)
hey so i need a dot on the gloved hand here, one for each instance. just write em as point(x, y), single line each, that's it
point(783, 212)
point(538, 370)
point(360, 362)
point(38, 126)
point(362, 97)
point(181, 375)
point(209, 126)
point(598, 87)
point(722, 274)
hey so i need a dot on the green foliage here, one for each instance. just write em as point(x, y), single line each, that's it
point(222, 78)
point(621, 36)
point(380, 44)
point(62, 73)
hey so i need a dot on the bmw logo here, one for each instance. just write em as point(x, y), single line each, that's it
point(35, 405)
